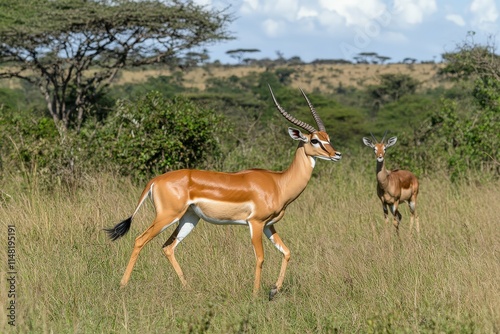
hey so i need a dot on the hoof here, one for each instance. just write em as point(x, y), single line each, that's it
point(273, 292)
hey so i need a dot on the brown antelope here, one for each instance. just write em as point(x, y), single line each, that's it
point(257, 198)
point(395, 186)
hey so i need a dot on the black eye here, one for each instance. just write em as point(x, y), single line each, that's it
point(314, 141)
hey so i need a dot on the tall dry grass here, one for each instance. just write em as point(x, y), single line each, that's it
point(310, 77)
point(349, 273)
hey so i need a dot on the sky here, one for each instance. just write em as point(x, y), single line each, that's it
point(341, 29)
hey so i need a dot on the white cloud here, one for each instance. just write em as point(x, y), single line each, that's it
point(413, 12)
point(305, 12)
point(330, 21)
point(283, 8)
point(249, 6)
point(273, 28)
point(457, 19)
point(485, 14)
point(354, 12)
point(278, 8)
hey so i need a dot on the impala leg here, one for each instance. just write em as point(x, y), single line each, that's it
point(272, 235)
point(186, 224)
point(413, 218)
point(397, 216)
point(256, 234)
point(158, 225)
point(412, 215)
point(386, 212)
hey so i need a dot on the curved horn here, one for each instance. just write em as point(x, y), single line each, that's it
point(318, 120)
point(289, 117)
point(385, 134)
point(375, 139)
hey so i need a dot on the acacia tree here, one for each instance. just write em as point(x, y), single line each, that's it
point(73, 49)
point(239, 53)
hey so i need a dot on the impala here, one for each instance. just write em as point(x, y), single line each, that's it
point(257, 198)
point(395, 186)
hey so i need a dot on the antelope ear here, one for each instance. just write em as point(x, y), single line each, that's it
point(368, 142)
point(297, 135)
point(391, 141)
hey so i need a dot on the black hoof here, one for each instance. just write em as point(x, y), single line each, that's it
point(273, 292)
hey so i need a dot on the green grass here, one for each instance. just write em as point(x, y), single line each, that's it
point(349, 273)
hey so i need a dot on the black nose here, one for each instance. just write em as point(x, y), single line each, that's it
point(337, 156)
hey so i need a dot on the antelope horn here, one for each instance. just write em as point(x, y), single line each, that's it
point(313, 112)
point(375, 139)
point(289, 117)
point(385, 134)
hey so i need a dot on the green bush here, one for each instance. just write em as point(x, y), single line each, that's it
point(392, 87)
point(140, 139)
point(32, 146)
point(156, 134)
point(463, 135)
point(456, 144)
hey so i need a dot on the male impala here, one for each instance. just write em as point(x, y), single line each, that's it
point(396, 186)
point(256, 198)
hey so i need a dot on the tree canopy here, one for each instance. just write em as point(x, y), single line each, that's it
point(72, 49)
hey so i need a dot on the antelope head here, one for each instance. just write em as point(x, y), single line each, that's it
point(379, 147)
point(315, 142)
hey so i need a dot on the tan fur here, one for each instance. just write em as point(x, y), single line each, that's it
point(256, 197)
point(394, 187)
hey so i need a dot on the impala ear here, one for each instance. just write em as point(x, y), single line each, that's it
point(368, 142)
point(391, 141)
point(297, 135)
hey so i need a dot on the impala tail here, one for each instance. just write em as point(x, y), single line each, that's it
point(120, 229)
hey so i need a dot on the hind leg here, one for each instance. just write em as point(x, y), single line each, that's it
point(186, 224)
point(159, 224)
point(412, 203)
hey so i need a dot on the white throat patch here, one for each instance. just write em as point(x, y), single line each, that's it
point(313, 161)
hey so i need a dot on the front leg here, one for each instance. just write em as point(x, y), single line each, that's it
point(273, 236)
point(397, 215)
point(386, 212)
point(256, 228)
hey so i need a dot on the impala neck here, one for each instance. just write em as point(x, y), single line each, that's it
point(294, 180)
point(382, 174)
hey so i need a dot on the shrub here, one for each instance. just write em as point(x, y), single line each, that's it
point(140, 139)
point(155, 135)
point(464, 133)
point(33, 146)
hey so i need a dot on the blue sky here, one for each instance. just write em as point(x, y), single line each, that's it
point(332, 29)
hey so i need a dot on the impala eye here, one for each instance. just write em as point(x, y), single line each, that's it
point(314, 141)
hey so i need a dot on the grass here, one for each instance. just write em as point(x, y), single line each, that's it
point(309, 77)
point(349, 273)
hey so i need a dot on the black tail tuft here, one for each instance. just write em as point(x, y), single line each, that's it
point(119, 230)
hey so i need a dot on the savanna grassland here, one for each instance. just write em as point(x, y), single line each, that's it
point(322, 77)
point(82, 129)
point(349, 273)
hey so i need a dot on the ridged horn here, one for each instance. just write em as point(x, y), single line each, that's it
point(318, 120)
point(385, 134)
point(374, 139)
point(289, 117)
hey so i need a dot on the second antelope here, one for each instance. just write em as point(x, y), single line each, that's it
point(256, 198)
point(395, 186)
